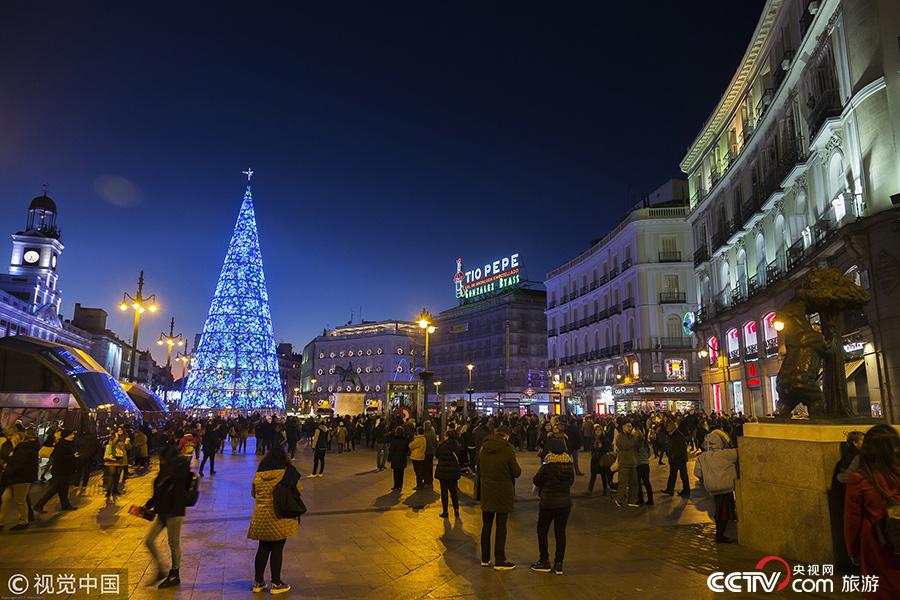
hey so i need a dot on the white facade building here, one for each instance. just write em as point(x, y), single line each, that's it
point(790, 172)
point(29, 296)
point(614, 313)
point(362, 359)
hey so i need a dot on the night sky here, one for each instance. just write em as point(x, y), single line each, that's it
point(387, 139)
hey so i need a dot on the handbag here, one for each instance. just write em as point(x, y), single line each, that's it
point(286, 499)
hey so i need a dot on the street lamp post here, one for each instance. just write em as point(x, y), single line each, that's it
point(170, 341)
point(424, 322)
point(437, 396)
point(138, 303)
point(470, 390)
point(185, 359)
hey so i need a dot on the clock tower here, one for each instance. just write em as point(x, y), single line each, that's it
point(35, 256)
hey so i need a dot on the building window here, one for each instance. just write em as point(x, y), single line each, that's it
point(676, 369)
point(717, 397)
point(734, 349)
point(771, 335)
point(751, 349)
point(712, 346)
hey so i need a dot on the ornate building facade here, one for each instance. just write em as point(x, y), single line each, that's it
point(794, 170)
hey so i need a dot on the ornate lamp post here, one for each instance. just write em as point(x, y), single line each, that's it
point(437, 396)
point(170, 342)
point(138, 303)
point(469, 390)
point(424, 321)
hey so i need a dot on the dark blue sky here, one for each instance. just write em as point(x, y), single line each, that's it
point(387, 139)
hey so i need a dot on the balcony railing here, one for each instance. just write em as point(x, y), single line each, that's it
point(626, 264)
point(594, 285)
point(615, 309)
point(826, 106)
point(672, 297)
point(628, 346)
point(675, 342)
point(551, 304)
point(551, 333)
point(670, 256)
point(795, 254)
point(627, 303)
point(718, 238)
point(701, 255)
point(751, 352)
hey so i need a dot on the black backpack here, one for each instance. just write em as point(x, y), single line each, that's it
point(285, 498)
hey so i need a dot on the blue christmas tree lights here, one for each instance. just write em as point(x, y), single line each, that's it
point(235, 365)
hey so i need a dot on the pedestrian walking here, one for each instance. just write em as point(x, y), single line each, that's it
point(21, 471)
point(554, 481)
point(677, 452)
point(115, 459)
point(210, 446)
point(320, 446)
point(65, 466)
point(398, 451)
point(169, 501)
point(448, 471)
point(497, 473)
point(417, 454)
point(869, 532)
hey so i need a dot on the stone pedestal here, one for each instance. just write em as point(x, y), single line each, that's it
point(782, 493)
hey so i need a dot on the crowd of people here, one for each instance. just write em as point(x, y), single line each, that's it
point(618, 449)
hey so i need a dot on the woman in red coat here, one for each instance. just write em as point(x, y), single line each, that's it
point(866, 504)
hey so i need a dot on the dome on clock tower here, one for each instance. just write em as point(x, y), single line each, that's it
point(42, 217)
point(43, 202)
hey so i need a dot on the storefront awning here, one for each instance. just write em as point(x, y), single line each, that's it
point(851, 366)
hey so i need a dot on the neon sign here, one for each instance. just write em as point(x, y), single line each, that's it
point(492, 277)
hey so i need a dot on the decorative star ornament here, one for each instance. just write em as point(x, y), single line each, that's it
point(248, 173)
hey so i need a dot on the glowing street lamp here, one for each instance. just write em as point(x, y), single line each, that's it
point(170, 341)
point(778, 325)
point(424, 320)
point(139, 304)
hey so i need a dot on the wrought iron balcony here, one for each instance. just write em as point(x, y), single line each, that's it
point(701, 255)
point(627, 303)
point(675, 342)
point(672, 297)
point(672, 255)
point(615, 309)
point(751, 352)
point(628, 346)
point(826, 106)
point(626, 264)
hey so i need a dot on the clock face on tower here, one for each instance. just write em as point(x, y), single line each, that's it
point(31, 256)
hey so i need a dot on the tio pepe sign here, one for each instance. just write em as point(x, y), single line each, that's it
point(491, 277)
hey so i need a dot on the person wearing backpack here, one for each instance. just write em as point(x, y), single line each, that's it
point(265, 526)
point(170, 497)
point(872, 511)
point(448, 471)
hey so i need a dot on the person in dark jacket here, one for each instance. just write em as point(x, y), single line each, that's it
point(448, 471)
point(398, 451)
point(574, 442)
point(554, 482)
point(169, 500)
point(210, 445)
point(602, 458)
point(21, 471)
point(676, 450)
point(497, 473)
point(65, 466)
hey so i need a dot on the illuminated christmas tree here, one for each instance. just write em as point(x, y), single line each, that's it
point(235, 365)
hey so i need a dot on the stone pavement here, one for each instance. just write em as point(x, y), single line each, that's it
point(359, 540)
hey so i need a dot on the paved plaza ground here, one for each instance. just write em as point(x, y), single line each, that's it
point(359, 540)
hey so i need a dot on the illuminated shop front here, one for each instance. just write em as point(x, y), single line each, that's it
point(671, 397)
